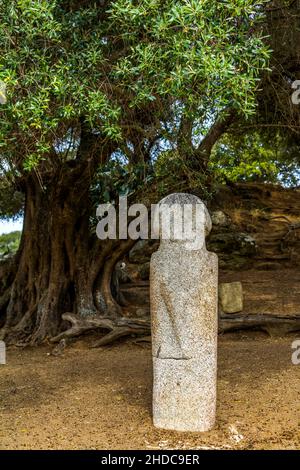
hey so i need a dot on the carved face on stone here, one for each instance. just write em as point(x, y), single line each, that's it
point(182, 219)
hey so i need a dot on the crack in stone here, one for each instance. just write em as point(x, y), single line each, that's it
point(175, 358)
point(183, 358)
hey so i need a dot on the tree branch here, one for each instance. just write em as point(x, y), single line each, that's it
point(213, 135)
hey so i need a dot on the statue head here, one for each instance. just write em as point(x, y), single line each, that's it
point(182, 219)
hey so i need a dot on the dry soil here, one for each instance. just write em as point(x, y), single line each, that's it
point(101, 398)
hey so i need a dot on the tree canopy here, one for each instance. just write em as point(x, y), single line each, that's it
point(125, 71)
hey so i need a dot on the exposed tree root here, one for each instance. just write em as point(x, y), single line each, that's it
point(120, 332)
point(274, 325)
point(122, 327)
point(117, 327)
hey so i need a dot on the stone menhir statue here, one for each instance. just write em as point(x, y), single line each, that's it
point(184, 299)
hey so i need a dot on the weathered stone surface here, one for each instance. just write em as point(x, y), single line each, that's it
point(231, 297)
point(183, 298)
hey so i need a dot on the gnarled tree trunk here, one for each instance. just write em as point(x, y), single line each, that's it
point(60, 266)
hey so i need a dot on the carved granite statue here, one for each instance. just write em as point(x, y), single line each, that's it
point(184, 297)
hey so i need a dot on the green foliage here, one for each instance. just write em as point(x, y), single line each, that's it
point(53, 65)
point(117, 178)
point(255, 156)
point(9, 243)
point(173, 172)
point(168, 172)
point(200, 52)
point(63, 60)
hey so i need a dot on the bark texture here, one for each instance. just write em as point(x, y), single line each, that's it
point(60, 266)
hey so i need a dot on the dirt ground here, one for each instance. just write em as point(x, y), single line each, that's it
point(101, 398)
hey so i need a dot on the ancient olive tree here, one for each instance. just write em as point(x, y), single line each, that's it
point(91, 82)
